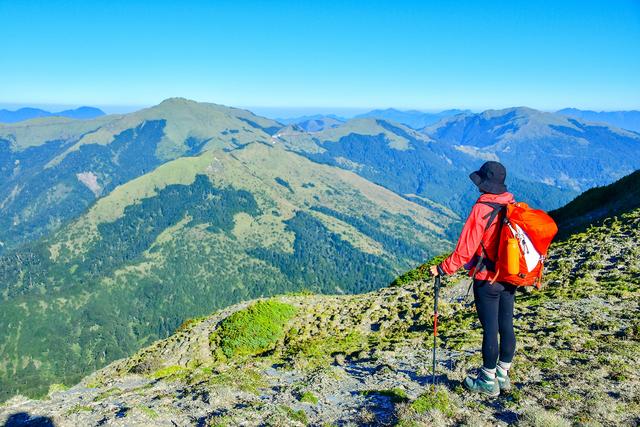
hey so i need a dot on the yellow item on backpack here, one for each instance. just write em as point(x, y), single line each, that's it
point(513, 256)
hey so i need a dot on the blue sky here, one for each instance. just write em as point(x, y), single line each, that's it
point(322, 56)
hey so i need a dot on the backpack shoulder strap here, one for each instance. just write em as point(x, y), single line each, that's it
point(495, 211)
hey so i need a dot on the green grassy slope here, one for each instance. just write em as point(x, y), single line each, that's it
point(596, 204)
point(198, 232)
point(51, 169)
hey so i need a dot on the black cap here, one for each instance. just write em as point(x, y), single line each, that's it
point(490, 178)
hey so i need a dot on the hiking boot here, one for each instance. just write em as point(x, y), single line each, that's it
point(482, 384)
point(503, 380)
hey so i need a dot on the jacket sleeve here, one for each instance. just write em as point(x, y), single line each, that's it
point(468, 242)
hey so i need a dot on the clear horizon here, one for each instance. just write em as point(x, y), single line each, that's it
point(323, 56)
point(270, 112)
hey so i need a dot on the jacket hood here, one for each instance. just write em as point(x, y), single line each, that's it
point(504, 198)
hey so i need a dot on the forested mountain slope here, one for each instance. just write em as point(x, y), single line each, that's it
point(52, 169)
point(598, 203)
point(196, 233)
point(413, 164)
point(312, 360)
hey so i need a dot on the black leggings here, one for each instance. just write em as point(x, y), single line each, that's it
point(494, 303)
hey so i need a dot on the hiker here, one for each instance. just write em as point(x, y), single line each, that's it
point(475, 250)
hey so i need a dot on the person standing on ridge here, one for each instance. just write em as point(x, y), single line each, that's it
point(476, 250)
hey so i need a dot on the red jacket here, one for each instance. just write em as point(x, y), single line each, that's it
point(473, 233)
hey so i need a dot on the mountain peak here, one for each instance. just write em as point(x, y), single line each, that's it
point(517, 111)
point(178, 100)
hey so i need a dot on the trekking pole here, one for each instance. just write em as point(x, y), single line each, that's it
point(436, 292)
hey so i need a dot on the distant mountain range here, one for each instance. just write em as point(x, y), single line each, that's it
point(318, 124)
point(543, 147)
point(7, 116)
point(623, 119)
point(415, 119)
point(115, 229)
point(300, 119)
point(550, 157)
point(412, 118)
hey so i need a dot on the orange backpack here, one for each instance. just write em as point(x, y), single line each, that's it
point(525, 237)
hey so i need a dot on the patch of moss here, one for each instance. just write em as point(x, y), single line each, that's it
point(320, 350)
point(174, 372)
point(54, 388)
point(430, 401)
point(147, 411)
point(299, 415)
point(220, 421)
point(108, 393)
point(245, 379)
point(95, 384)
point(190, 323)
point(79, 408)
point(252, 331)
point(308, 397)
point(396, 395)
point(515, 395)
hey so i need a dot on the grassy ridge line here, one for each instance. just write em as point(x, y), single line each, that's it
point(38, 131)
point(222, 126)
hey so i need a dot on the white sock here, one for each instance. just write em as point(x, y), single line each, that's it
point(491, 373)
point(503, 367)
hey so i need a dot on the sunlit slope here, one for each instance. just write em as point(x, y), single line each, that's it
point(51, 169)
point(197, 233)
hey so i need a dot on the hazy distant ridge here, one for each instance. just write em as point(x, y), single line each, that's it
point(623, 119)
point(27, 113)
